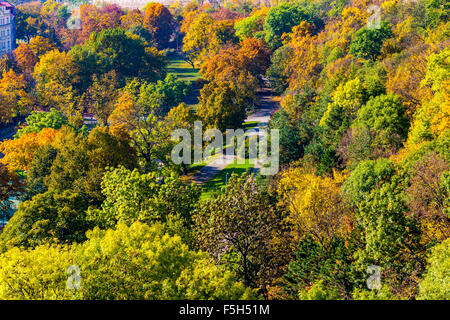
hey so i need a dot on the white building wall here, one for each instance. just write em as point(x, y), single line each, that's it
point(7, 35)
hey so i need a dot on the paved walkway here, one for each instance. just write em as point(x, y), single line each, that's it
point(266, 105)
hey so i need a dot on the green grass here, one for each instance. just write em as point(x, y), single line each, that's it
point(250, 125)
point(182, 69)
point(219, 180)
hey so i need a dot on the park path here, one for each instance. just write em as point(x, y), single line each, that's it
point(263, 110)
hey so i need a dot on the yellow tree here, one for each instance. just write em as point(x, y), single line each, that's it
point(40, 46)
point(55, 74)
point(304, 68)
point(14, 100)
point(198, 33)
point(18, 153)
point(405, 80)
point(315, 204)
point(132, 18)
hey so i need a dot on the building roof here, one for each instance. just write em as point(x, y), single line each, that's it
point(9, 6)
point(6, 4)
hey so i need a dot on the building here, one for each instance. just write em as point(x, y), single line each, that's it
point(7, 30)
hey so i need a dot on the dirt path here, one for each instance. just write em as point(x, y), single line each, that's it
point(264, 109)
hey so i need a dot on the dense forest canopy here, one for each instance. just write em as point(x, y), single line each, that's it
point(363, 89)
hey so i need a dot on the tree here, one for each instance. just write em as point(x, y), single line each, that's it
point(100, 97)
point(29, 22)
point(81, 162)
point(427, 196)
point(367, 43)
point(55, 75)
point(319, 292)
point(40, 46)
point(219, 106)
point(251, 26)
point(19, 153)
point(159, 21)
point(10, 186)
point(164, 94)
point(158, 266)
point(47, 217)
point(314, 264)
point(94, 19)
point(276, 73)
point(436, 285)
point(290, 139)
point(282, 18)
point(14, 100)
point(205, 36)
point(385, 115)
point(39, 168)
point(391, 238)
point(315, 204)
point(367, 176)
point(131, 196)
point(132, 19)
point(141, 121)
point(239, 227)
point(239, 65)
point(35, 274)
point(39, 120)
point(115, 49)
point(25, 57)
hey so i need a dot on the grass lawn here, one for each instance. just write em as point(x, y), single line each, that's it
point(249, 125)
point(220, 179)
point(182, 69)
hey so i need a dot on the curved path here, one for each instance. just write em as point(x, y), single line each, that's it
point(264, 109)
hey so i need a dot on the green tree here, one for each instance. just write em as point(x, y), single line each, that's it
point(40, 167)
point(219, 106)
point(115, 49)
point(100, 97)
point(367, 176)
point(291, 148)
point(165, 94)
point(385, 116)
point(367, 43)
point(137, 262)
point(238, 227)
point(332, 266)
point(276, 73)
point(248, 27)
point(132, 196)
point(436, 283)
point(158, 266)
point(391, 238)
point(39, 120)
point(47, 217)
